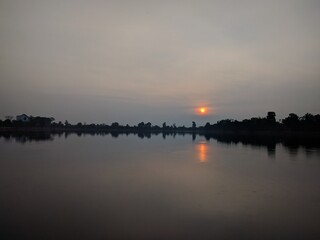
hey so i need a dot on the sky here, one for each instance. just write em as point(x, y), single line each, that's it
point(131, 61)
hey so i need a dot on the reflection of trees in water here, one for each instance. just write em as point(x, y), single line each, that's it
point(268, 143)
point(293, 144)
point(23, 137)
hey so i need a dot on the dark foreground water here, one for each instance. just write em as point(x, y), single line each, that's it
point(101, 187)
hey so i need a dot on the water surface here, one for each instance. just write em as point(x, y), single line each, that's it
point(102, 187)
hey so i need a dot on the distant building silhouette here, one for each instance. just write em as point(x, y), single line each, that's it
point(23, 118)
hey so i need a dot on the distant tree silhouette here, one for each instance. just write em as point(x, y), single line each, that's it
point(164, 125)
point(115, 125)
point(8, 118)
point(194, 124)
point(292, 121)
point(40, 122)
point(141, 125)
point(310, 122)
point(7, 123)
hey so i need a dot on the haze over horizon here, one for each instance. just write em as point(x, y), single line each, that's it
point(132, 61)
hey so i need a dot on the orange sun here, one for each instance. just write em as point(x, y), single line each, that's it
point(203, 110)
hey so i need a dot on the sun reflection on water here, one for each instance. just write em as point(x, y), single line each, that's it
point(202, 151)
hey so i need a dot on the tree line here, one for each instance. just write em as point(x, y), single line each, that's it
point(292, 122)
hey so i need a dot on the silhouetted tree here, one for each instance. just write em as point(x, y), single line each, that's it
point(194, 125)
point(7, 123)
point(207, 126)
point(40, 122)
point(292, 121)
point(308, 118)
point(141, 125)
point(8, 118)
point(115, 125)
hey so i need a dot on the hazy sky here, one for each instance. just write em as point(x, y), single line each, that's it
point(131, 61)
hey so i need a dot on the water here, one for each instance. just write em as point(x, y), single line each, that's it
point(101, 187)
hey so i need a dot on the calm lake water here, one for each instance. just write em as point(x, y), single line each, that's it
point(101, 187)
